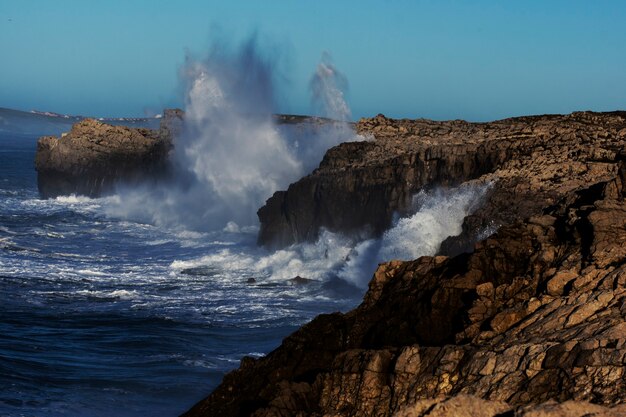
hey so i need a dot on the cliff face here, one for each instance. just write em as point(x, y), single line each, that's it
point(535, 313)
point(93, 156)
point(359, 186)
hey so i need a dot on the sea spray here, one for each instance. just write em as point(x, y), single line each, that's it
point(231, 155)
point(231, 151)
point(437, 215)
point(328, 87)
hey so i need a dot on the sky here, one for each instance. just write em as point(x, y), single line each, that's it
point(440, 59)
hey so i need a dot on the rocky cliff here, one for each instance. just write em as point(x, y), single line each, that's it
point(535, 313)
point(94, 156)
point(360, 185)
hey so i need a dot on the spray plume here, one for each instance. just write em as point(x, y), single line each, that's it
point(231, 155)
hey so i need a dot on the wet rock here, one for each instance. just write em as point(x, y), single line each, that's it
point(298, 280)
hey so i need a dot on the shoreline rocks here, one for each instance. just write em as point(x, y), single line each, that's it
point(93, 157)
point(532, 314)
point(360, 186)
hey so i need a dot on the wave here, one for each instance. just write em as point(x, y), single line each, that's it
point(437, 215)
point(231, 155)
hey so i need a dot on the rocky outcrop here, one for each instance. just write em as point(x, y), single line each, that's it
point(93, 156)
point(533, 314)
point(361, 185)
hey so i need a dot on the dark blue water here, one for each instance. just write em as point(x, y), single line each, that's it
point(102, 316)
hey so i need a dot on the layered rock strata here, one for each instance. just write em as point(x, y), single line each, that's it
point(533, 314)
point(93, 157)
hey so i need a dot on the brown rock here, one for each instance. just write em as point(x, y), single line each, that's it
point(94, 156)
point(535, 161)
point(535, 313)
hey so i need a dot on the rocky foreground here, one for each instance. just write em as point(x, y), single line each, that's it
point(530, 321)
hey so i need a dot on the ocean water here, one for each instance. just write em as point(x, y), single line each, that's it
point(103, 316)
point(138, 303)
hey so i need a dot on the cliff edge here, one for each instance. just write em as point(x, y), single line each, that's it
point(529, 321)
point(361, 185)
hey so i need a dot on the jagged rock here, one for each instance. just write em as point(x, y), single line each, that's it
point(93, 156)
point(536, 312)
point(359, 186)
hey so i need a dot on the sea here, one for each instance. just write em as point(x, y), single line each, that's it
point(103, 312)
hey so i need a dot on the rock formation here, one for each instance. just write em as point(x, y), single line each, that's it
point(530, 321)
point(93, 156)
point(360, 185)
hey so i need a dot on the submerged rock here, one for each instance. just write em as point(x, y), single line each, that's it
point(300, 280)
point(94, 156)
point(535, 313)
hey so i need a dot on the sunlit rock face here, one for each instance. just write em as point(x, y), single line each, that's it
point(93, 156)
point(505, 323)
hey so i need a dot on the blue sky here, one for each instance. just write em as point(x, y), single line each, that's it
point(475, 60)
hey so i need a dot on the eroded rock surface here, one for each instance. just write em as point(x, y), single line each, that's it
point(532, 321)
point(91, 158)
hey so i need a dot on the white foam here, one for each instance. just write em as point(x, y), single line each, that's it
point(119, 294)
point(74, 199)
point(438, 214)
point(91, 272)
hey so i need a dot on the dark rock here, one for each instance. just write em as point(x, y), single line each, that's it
point(251, 281)
point(300, 280)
